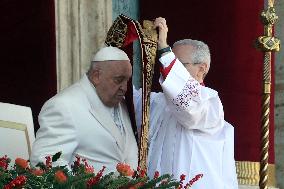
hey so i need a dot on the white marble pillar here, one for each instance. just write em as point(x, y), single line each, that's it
point(81, 27)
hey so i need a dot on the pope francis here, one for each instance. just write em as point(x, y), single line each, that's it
point(89, 119)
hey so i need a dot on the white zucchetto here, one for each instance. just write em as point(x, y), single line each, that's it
point(110, 53)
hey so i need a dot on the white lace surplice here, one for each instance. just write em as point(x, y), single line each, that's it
point(188, 134)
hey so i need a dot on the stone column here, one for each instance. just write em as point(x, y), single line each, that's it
point(81, 27)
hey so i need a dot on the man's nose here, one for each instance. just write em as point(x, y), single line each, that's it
point(123, 86)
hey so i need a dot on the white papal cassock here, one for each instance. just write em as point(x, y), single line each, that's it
point(77, 123)
point(188, 134)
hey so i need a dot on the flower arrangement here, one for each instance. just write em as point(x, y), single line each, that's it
point(81, 175)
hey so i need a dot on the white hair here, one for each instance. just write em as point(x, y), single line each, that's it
point(201, 52)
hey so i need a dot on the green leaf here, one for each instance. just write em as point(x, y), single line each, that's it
point(56, 156)
point(41, 165)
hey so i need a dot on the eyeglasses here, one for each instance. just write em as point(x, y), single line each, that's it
point(185, 63)
point(188, 63)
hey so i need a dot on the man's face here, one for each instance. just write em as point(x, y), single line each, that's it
point(183, 53)
point(111, 81)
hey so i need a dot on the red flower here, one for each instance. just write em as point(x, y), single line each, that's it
point(88, 168)
point(124, 169)
point(182, 178)
point(142, 173)
point(22, 163)
point(48, 162)
point(60, 176)
point(193, 180)
point(4, 162)
point(138, 168)
point(16, 183)
point(77, 162)
point(156, 175)
point(94, 180)
point(37, 172)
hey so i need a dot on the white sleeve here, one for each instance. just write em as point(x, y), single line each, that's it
point(137, 100)
point(155, 110)
point(167, 59)
point(56, 133)
point(193, 105)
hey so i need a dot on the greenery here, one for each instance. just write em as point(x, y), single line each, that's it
point(81, 175)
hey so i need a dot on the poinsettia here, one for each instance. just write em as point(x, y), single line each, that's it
point(82, 175)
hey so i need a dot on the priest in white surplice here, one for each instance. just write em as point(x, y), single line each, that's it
point(188, 134)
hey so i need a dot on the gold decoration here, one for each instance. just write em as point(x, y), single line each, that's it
point(267, 44)
point(148, 38)
point(117, 33)
point(268, 16)
point(248, 173)
point(149, 48)
point(263, 182)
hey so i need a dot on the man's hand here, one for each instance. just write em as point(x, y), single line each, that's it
point(163, 31)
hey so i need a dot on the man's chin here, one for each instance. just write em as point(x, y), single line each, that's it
point(115, 102)
point(120, 97)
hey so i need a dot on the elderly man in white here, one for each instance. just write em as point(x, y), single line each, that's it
point(89, 119)
point(188, 133)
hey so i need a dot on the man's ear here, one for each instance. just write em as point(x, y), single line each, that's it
point(95, 77)
point(203, 67)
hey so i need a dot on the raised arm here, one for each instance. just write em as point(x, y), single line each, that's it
point(193, 105)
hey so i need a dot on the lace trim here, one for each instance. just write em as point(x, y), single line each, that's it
point(184, 98)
